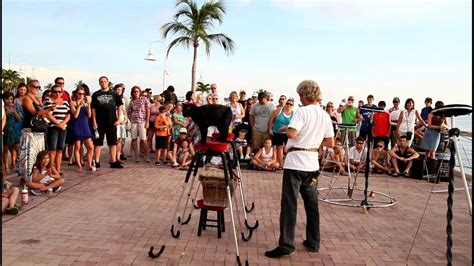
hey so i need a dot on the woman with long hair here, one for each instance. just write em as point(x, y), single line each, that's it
point(277, 126)
point(80, 130)
point(407, 120)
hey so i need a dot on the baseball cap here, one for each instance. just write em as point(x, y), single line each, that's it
point(255, 94)
point(396, 99)
point(242, 91)
point(183, 131)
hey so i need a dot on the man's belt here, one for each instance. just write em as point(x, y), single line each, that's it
point(302, 149)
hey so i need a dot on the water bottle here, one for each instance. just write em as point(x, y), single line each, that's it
point(24, 196)
point(96, 134)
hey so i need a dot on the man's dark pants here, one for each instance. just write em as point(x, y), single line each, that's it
point(293, 182)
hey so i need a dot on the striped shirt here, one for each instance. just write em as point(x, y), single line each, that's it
point(59, 113)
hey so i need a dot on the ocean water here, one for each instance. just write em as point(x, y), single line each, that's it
point(464, 123)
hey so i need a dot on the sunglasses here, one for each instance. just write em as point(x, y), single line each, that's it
point(379, 146)
point(60, 83)
point(282, 99)
point(215, 98)
point(289, 104)
point(350, 100)
point(55, 91)
point(36, 87)
point(329, 106)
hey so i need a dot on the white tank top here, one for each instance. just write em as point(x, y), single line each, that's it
point(266, 157)
point(408, 121)
point(394, 115)
point(236, 111)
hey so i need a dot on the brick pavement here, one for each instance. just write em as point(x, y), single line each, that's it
point(114, 216)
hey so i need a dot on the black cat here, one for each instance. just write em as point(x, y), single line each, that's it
point(207, 115)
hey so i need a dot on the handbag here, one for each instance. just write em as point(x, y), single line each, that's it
point(38, 124)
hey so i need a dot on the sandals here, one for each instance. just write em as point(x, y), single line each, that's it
point(396, 174)
point(406, 174)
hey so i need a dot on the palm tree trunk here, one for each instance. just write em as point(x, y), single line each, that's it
point(193, 70)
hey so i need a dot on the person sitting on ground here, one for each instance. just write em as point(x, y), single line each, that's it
point(183, 157)
point(357, 155)
point(177, 145)
point(379, 157)
point(44, 175)
point(402, 157)
point(335, 159)
point(265, 158)
point(9, 197)
point(241, 144)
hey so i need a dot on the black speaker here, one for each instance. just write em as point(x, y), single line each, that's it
point(417, 168)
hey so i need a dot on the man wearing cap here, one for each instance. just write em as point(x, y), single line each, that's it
point(394, 115)
point(259, 117)
point(242, 99)
point(364, 127)
point(182, 149)
point(254, 98)
point(350, 115)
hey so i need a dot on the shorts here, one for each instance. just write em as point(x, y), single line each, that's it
point(139, 131)
point(55, 139)
point(121, 131)
point(258, 137)
point(279, 139)
point(161, 142)
point(110, 132)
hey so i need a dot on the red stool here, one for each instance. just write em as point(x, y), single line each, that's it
point(203, 220)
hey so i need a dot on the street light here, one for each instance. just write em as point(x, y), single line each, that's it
point(151, 57)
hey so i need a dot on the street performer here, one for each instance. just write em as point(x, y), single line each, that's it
point(310, 127)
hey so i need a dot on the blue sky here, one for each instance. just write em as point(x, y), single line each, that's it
point(385, 48)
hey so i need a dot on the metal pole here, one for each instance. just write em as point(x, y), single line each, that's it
point(164, 64)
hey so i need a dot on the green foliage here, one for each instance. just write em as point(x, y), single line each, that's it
point(48, 87)
point(205, 88)
point(192, 24)
point(10, 80)
point(78, 84)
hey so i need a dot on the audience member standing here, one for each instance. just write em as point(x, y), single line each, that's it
point(59, 118)
point(170, 96)
point(139, 115)
point(259, 119)
point(122, 127)
point(105, 113)
point(407, 120)
point(80, 129)
point(432, 135)
point(278, 124)
point(394, 115)
point(350, 115)
point(364, 127)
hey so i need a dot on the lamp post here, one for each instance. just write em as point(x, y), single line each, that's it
point(151, 57)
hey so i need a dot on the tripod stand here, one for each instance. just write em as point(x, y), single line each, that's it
point(452, 111)
point(350, 198)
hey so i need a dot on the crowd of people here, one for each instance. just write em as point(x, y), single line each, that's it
point(159, 133)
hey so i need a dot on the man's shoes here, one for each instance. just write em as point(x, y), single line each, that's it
point(12, 210)
point(116, 165)
point(310, 248)
point(277, 252)
point(122, 157)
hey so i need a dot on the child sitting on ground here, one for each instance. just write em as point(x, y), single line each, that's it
point(9, 196)
point(183, 150)
point(379, 157)
point(266, 158)
point(335, 159)
point(241, 144)
point(44, 176)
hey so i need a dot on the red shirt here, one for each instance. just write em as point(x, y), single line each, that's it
point(381, 126)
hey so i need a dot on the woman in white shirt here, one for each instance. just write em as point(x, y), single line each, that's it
point(407, 120)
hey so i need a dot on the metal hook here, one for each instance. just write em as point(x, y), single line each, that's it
point(150, 253)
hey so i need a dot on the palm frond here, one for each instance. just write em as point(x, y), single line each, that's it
point(222, 39)
point(175, 27)
point(184, 41)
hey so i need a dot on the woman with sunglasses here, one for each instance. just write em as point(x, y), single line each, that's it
point(80, 129)
point(58, 117)
point(277, 125)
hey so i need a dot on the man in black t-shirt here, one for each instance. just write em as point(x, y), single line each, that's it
point(105, 118)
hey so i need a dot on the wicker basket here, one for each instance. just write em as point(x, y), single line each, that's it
point(214, 190)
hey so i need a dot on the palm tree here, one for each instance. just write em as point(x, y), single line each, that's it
point(10, 80)
point(48, 86)
point(194, 27)
point(205, 88)
point(78, 84)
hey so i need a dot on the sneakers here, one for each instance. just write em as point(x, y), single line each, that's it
point(309, 247)
point(57, 189)
point(122, 157)
point(241, 157)
point(157, 163)
point(116, 165)
point(247, 157)
point(277, 252)
point(36, 191)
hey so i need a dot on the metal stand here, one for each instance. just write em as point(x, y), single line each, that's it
point(452, 111)
point(349, 198)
